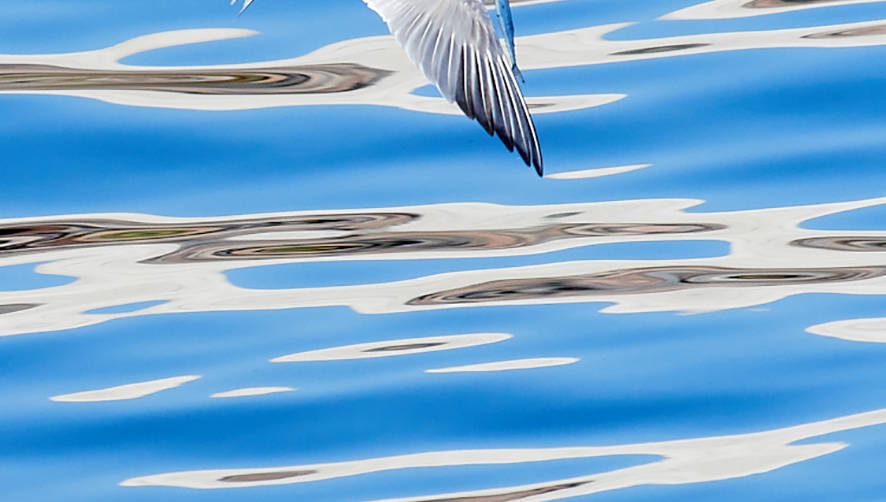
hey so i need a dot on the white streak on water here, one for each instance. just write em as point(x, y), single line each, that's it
point(596, 173)
point(251, 391)
point(682, 462)
point(398, 347)
point(514, 364)
point(128, 391)
point(380, 52)
point(759, 239)
point(725, 9)
point(856, 330)
point(572, 48)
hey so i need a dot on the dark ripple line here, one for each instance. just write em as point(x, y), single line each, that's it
point(265, 476)
point(401, 242)
point(9, 308)
point(65, 234)
point(307, 79)
point(641, 281)
point(660, 48)
point(403, 347)
point(210, 241)
point(511, 496)
point(844, 243)
point(878, 29)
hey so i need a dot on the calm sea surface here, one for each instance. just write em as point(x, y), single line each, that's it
point(259, 258)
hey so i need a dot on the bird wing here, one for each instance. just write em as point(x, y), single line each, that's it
point(246, 4)
point(455, 45)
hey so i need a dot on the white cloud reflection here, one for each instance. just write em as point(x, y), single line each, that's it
point(596, 173)
point(128, 391)
point(251, 391)
point(183, 261)
point(375, 71)
point(399, 347)
point(725, 9)
point(855, 330)
point(514, 364)
point(680, 462)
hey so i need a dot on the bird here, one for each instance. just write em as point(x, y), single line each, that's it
point(455, 45)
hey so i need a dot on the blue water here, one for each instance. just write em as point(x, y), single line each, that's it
point(707, 327)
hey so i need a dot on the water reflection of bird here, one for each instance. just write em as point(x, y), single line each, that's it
point(455, 45)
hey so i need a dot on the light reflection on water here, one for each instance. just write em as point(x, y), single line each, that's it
point(719, 9)
point(368, 70)
point(111, 268)
point(684, 461)
point(180, 263)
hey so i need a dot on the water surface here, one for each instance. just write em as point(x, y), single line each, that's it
point(258, 257)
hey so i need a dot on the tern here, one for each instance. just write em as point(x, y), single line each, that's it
point(455, 45)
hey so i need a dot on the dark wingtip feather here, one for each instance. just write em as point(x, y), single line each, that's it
point(532, 159)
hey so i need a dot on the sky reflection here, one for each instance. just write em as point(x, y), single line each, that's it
point(243, 252)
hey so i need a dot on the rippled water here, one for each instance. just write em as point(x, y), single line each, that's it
point(260, 255)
